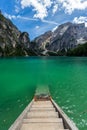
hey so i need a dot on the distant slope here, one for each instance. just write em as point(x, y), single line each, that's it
point(81, 50)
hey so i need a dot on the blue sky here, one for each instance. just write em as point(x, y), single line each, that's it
point(39, 16)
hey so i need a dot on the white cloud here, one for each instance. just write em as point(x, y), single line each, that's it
point(40, 7)
point(37, 27)
point(9, 16)
point(17, 1)
point(34, 19)
point(81, 19)
point(17, 9)
point(71, 5)
point(19, 17)
point(49, 22)
point(55, 8)
point(54, 28)
point(28, 19)
point(17, 6)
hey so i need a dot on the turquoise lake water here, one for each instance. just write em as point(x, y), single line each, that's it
point(65, 76)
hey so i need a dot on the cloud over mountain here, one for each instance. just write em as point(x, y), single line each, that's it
point(41, 7)
point(80, 19)
point(71, 5)
point(44, 13)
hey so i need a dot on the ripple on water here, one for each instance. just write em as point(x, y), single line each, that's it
point(66, 76)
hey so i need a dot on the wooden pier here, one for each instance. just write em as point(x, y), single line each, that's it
point(43, 114)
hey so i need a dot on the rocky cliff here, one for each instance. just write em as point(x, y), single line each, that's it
point(15, 43)
point(12, 41)
point(65, 37)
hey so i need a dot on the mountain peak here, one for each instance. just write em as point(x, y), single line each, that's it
point(66, 36)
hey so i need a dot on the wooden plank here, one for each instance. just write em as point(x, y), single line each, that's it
point(43, 120)
point(67, 122)
point(42, 103)
point(42, 109)
point(42, 106)
point(42, 126)
point(44, 114)
point(17, 124)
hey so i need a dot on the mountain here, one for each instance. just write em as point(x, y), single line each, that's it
point(66, 36)
point(80, 50)
point(12, 41)
point(16, 43)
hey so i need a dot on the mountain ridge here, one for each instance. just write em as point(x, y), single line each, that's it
point(12, 41)
point(66, 36)
point(16, 43)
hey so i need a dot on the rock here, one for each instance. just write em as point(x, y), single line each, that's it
point(24, 40)
point(66, 36)
point(15, 43)
point(12, 41)
point(41, 41)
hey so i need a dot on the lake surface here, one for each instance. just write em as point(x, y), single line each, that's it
point(65, 76)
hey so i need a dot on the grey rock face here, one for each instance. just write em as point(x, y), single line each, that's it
point(65, 37)
point(11, 39)
point(42, 40)
point(24, 40)
point(15, 43)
